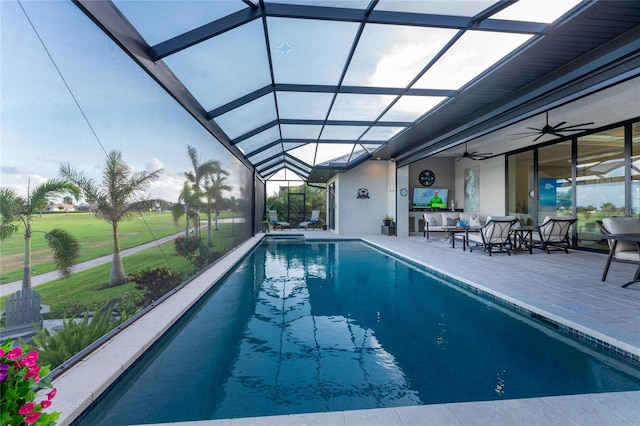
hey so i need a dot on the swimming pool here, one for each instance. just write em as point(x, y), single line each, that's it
point(339, 326)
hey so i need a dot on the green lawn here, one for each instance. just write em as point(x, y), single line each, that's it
point(94, 235)
point(84, 290)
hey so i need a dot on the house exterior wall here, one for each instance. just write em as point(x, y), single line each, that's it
point(383, 183)
point(364, 216)
point(402, 202)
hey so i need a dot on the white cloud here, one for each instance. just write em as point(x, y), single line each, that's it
point(154, 164)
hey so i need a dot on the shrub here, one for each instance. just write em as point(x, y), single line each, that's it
point(56, 348)
point(131, 302)
point(204, 257)
point(186, 246)
point(155, 282)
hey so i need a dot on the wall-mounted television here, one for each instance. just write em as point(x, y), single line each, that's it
point(430, 198)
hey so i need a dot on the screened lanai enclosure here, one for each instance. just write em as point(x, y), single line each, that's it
point(284, 93)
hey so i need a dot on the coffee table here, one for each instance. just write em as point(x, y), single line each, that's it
point(454, 232)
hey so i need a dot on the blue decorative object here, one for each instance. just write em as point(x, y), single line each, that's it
point(463, 224)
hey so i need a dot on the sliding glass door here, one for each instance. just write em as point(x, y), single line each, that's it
point(635, 169)
point(589, 177)
point(554, 181)
point(600, 183)
point(522, 201)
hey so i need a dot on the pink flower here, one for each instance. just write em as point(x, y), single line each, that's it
point(30, 359)
point(2, 352)
point(32, 418)
point(45, 404)
point(27, 408)
point(32, 373)
point(52, 394)
point(14, 353)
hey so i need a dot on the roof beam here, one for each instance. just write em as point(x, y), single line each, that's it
point(241, 17)
point(347, 122)
point(205, 32)
point(400, 18)
point(318, 88)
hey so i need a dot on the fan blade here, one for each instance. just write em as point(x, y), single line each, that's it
point(559, 124)
point(522, 137)
point(575, 130)
point(572, 127)
point(541, 135)
point(534, 128)
point(525, 133)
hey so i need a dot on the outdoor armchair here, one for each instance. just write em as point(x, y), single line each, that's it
point(553, 234)
point(620, 251)
point(494, 236)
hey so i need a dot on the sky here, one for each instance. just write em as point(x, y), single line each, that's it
point(120, 107)
point(69, 94)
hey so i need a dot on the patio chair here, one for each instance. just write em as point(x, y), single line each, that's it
point(620, 251)
point(312, 222)
point(494, 236)
point(553, 234)
point(22, 314)
point(275, 223)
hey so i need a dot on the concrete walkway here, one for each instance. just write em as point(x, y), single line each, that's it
point(9, 288)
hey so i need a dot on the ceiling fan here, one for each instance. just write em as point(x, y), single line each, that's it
point(475, 155)
point(552, 130)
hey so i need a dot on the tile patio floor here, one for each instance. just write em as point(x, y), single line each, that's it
point(563, 287)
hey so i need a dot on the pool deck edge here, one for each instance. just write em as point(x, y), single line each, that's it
point(84, 382)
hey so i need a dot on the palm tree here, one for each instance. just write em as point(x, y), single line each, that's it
point(215, 200)
point(119, 198)
point(14, 208)
point(187, 198)
point(197, 179)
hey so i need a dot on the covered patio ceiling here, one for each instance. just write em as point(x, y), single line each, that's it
point(301, 89)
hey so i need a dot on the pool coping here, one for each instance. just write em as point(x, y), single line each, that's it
point(86, 380)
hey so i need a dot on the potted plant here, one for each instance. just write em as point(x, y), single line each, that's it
point(387, 220)
point(266, 224)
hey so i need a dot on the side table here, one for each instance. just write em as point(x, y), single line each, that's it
point(522, 239)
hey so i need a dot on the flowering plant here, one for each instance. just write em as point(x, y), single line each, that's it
point(19, 377)
point(186, 246)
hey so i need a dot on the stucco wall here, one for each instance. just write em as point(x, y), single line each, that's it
point(383, 181)
point(364, 216)
point(402, 202)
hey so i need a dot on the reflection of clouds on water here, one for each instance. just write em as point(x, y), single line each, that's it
point(291, 360)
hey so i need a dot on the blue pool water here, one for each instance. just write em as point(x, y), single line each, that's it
point(340, 326)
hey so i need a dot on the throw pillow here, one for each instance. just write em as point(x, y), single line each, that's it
point(431, 220)
point(474, 221)
point(452, 222)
